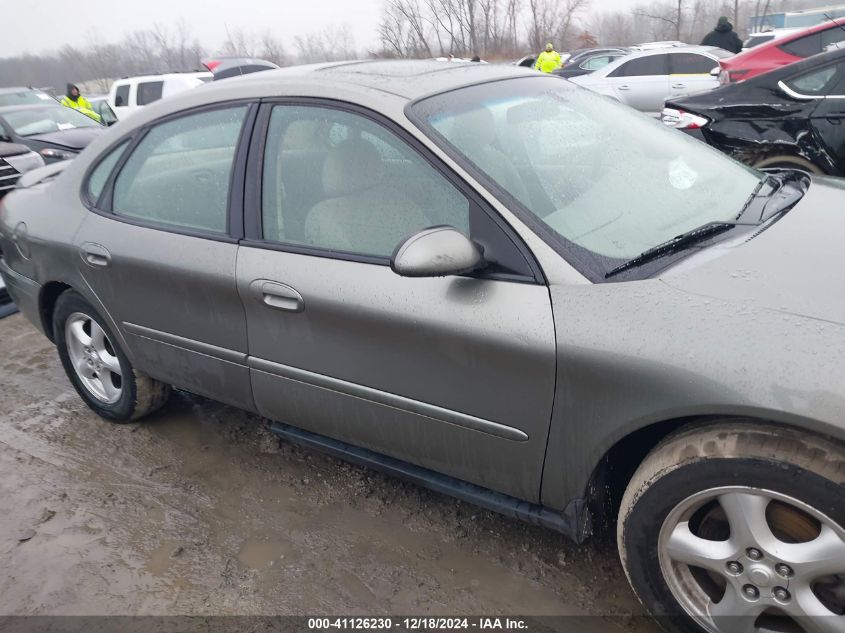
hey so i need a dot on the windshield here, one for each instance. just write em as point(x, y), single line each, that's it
point(605, 182)
point(44, 120)
point(24, 97)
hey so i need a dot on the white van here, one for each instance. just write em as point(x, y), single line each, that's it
point(131, 93)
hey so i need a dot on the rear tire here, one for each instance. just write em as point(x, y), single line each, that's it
point(98, 368)
point(706, 495)
point(789, 162)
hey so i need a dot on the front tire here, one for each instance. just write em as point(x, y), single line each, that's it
point(738, 527)
point(96, 366)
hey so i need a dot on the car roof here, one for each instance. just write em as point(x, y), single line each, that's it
point(791, 37)
point(409, 79)
point(165, 76)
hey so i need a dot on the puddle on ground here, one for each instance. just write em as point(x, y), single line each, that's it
point(162, 557)
point(259, 554)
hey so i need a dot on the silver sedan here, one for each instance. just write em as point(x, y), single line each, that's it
point(487, 281)
point(646, 79)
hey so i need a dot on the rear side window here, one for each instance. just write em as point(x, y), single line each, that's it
point(816, 83)
point(691, 64)
point(101, 173)
point(179, 174)
point(149, 91)
point(594, 63)
point(832, 36)
point(751, 42)
point(121, 96)
point(804, 46)
point(642, 67)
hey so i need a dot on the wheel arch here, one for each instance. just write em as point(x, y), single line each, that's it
point(614, 470)
point(50, 293)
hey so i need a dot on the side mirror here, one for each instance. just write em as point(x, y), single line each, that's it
point(436, 252)
point(716, 72)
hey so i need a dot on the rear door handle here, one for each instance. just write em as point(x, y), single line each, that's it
point(95, 255)
point(679, 86)
point(277, 295)
point(624, 87)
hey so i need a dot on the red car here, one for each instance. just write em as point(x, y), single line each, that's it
point(782, 51)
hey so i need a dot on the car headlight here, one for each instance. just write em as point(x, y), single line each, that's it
point(25, 162)
point(682, 120)
point(51, 153)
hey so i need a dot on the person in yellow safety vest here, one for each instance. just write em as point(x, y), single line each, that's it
point(76, 101)
point(548, 60)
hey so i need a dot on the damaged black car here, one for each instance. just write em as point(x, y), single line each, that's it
point(792, 117)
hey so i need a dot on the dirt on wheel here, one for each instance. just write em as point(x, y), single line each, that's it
point(200, 510)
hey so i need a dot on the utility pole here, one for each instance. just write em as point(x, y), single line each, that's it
point(678, 23)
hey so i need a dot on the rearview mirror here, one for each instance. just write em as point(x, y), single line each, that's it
point(436, 252)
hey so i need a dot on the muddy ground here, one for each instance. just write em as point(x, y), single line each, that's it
point(201, 510)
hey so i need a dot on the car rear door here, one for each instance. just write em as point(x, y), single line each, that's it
point(454, 374)
point(828, 121)
point(158, 249)
point(642, 83)
point(690, 73)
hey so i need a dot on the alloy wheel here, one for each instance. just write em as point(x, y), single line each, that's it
point(741, 559)
point(93, 358)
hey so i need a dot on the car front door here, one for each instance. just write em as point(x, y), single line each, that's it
point(157, 251)
point(455, 374)
point(690, 73)
point(642, 83)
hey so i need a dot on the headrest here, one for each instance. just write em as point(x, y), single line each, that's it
point(352, 166)
point(474, 129)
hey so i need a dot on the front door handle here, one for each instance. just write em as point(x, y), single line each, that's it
point(679, 86)
point(277, 295)
point(624, 87)
point(95, 255)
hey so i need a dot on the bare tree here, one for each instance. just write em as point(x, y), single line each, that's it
point(552, 20)
point(332, 43)
point(272, 49)
point(238, 43)
point(673, 15)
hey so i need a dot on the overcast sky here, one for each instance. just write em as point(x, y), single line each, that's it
point(33, 26)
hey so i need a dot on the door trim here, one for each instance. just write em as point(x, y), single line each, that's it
point(402, 403)
point(207, 349)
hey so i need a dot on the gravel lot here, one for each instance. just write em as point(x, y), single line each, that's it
point(201, 510)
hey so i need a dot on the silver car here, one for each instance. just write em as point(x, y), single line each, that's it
point(646, 79)
point(444, 273)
